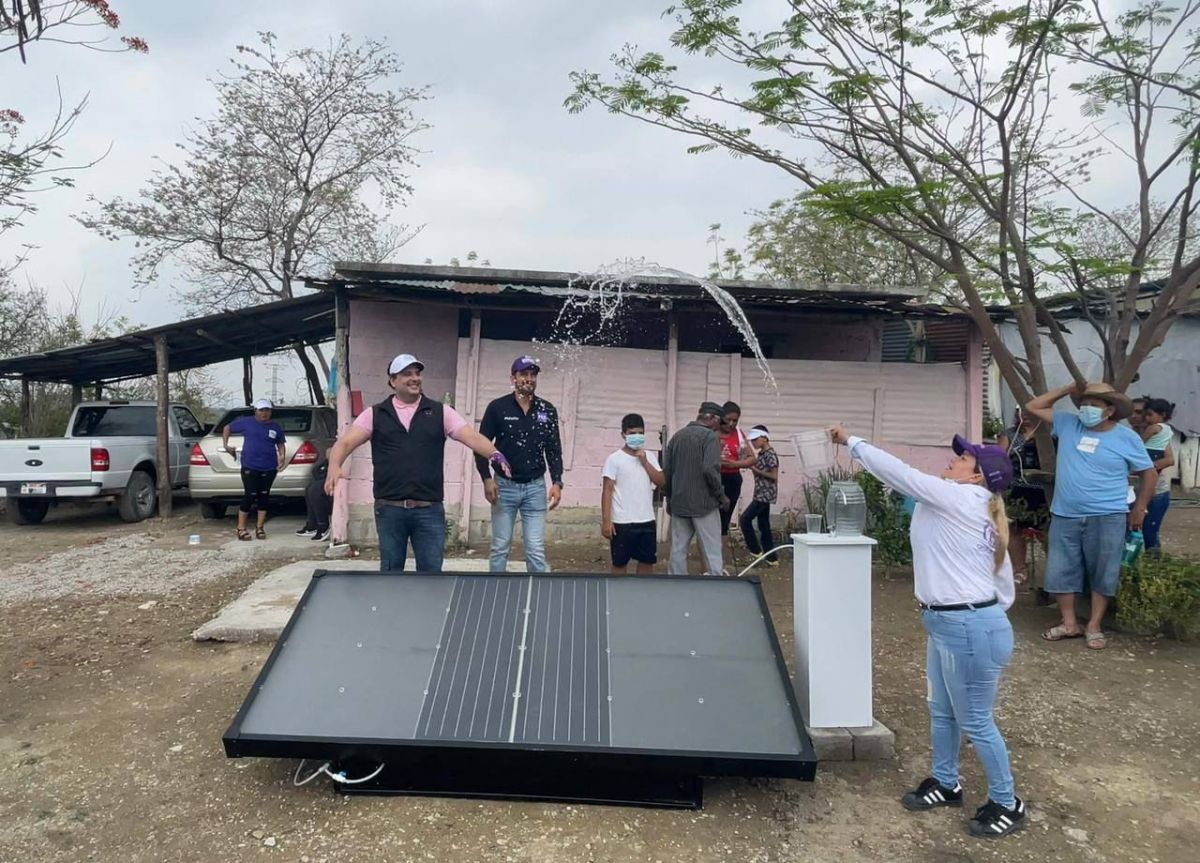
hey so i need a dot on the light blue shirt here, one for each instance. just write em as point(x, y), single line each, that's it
point(1093, 467)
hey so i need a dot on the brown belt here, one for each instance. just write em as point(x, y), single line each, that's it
point(408, 504)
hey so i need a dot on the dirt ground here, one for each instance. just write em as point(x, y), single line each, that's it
point(111, 721)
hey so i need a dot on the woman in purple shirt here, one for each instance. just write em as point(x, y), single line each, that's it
point(262, 459)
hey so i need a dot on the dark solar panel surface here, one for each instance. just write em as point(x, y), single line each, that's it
point(580, 661)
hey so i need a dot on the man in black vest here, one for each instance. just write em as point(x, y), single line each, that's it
point(408, 437)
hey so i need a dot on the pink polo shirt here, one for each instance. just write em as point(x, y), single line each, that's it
point(452, 421)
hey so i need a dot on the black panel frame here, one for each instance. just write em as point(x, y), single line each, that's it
point(495, 756)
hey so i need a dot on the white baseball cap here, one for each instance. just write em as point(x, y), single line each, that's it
point(755, 434)
point(263, 405)
point(403, 361)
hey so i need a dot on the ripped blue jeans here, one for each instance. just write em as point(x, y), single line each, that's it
point(965, 655)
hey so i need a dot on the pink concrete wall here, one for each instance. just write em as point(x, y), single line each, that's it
point(911, 409)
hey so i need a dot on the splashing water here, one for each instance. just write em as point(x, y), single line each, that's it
point(601, 294)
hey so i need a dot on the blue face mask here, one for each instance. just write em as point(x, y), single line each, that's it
point(635, 441)
point(1090, 415)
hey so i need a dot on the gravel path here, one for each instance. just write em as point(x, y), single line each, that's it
point(113, 566)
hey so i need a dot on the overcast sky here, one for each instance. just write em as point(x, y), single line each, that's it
point(506, 171)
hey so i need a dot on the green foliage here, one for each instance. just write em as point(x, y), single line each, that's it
point(887, 522)
point(935, 131)
point(1161, 595)
point(993, 427)
point(1018, 510)
point(803, 239)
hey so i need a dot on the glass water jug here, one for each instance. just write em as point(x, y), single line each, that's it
point(845, 509)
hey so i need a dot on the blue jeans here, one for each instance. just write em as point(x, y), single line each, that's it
point(424, 527)
point(529, 500)
point(964, 656)
point(1085, 548)
point(1155, 513)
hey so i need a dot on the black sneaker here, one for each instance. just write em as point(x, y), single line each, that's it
point(305, 531)
point(931, 794)
point(321, 536)
point(992, 820)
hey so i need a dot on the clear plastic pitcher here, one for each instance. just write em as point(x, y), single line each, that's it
point(814, 449)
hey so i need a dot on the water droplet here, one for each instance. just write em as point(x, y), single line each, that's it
point(699, 700)
point(341, 689)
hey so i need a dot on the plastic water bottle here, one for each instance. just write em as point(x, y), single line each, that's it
point(1133, 548)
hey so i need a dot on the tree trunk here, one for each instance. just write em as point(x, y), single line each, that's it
point(314, 377)
point(321, 361)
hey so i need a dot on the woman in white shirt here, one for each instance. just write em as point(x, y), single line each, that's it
point(964, 584)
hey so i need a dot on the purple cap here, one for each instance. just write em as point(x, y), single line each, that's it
point(993, 462)
point(524, 362)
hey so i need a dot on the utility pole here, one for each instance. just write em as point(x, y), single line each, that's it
point(274, 366)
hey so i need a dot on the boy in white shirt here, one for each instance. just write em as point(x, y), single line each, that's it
point(627, 499)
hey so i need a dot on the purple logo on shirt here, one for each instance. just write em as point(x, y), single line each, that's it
point(542, 417)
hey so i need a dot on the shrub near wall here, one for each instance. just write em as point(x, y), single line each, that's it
point(1161, 595)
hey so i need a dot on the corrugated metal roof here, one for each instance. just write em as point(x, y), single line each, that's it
point(230, 335)
point(523, 287)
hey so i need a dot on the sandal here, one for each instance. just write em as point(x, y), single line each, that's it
point(1095, 640)
point(260, 533)
point(1061, 633)
point(243, 533)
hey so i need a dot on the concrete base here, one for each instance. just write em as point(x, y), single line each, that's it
point(874, 743)
point(261, 613)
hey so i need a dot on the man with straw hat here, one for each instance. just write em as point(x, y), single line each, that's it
point(1089, 513)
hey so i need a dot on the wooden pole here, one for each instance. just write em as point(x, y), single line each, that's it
point(99, 394)
point(162, 361)
point(467, 402)
point(76, 394)
point(26, 409)
point(672, 371)
point(247, 379)
point(672, 424)
point(340, 518)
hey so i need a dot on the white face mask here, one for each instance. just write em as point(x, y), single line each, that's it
point(1091, 416)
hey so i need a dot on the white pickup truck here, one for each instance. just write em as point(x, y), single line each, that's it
point(108, 452)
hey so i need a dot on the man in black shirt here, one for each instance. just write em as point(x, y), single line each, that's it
point(524, 428)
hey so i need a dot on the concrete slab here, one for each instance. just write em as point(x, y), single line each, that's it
point(262, 611)
point(874, 743)
point(281, 537)
point(832, 744)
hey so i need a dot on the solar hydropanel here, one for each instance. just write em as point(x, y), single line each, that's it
point(464, 675)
